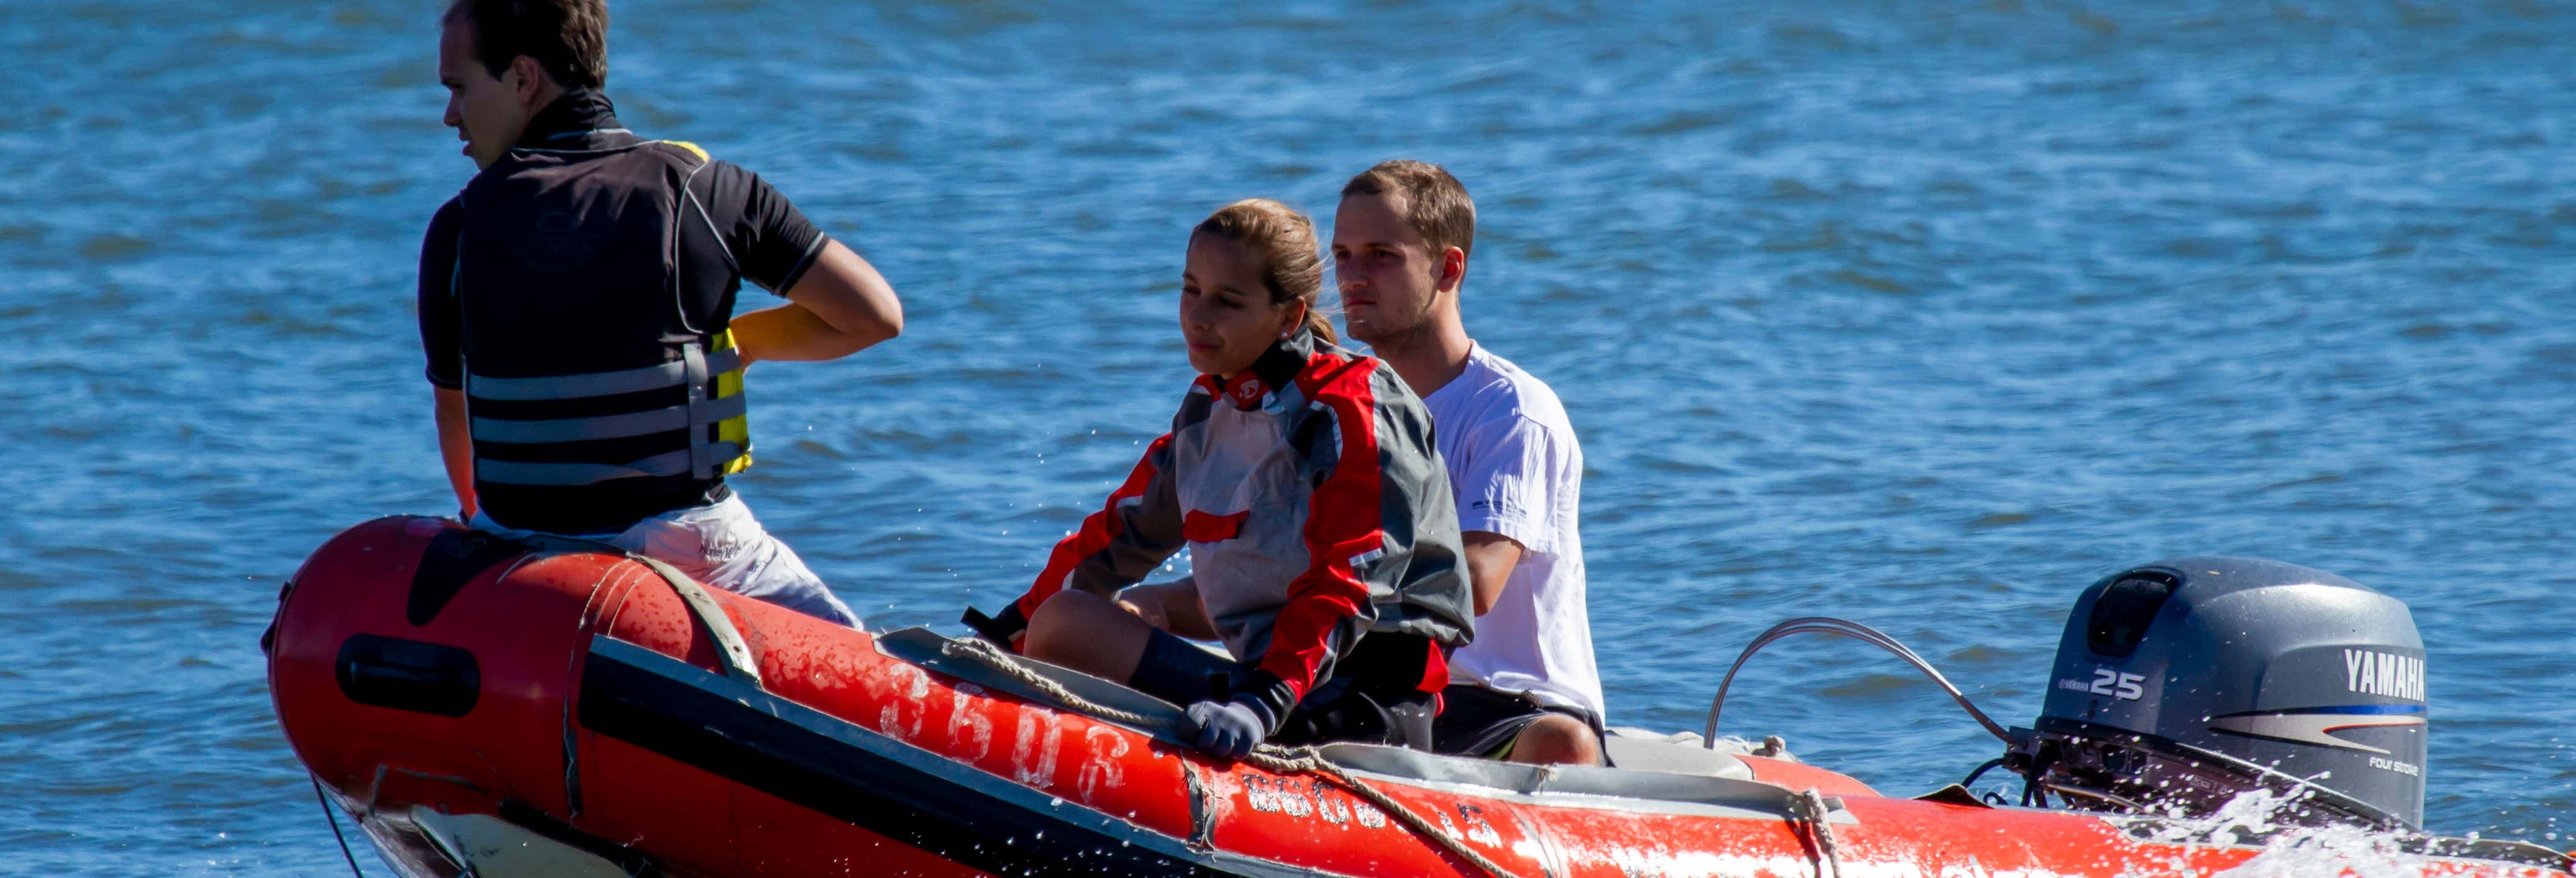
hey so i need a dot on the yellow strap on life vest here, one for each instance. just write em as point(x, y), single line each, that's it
point(736, 429)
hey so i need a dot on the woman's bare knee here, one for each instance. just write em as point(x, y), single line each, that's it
point(1088, 633)
point(1557, 739)
point(1055, 628)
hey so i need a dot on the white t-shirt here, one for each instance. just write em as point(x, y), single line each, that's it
point(1517, 471)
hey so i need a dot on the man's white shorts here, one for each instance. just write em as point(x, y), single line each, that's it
point(722, 546)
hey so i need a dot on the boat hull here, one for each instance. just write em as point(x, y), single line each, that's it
point(433, 680)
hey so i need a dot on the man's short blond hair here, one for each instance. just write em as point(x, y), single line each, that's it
point(1435, 204)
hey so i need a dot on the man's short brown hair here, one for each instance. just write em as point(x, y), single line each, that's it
point(568, 38)
point(1435, 204)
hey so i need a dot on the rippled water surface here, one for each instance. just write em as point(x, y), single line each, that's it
point(1925, 314)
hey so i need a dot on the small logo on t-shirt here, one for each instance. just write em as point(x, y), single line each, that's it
point(1247, 393)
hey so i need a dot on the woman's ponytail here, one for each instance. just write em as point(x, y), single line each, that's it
point(1320, 324)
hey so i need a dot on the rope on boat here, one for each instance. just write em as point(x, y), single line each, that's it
point(731, 651)
point(1267, 757)
point(1812, 809)
point(335, 825)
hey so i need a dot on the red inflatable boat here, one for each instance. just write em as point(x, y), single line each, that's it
point(484, 708)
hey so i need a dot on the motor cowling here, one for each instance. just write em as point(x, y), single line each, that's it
point(2182, 684)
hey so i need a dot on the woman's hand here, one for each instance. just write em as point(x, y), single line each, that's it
point(1227, 729)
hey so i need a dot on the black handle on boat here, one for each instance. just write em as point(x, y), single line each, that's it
point(1855, 631)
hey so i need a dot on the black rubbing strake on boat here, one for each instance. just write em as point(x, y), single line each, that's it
point(879, 784)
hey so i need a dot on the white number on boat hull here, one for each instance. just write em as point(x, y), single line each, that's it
point(1309, 800)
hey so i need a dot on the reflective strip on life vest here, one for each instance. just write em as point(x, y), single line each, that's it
point(511, 472)
point(661, 420)
point(602, 383)
point(726, 412)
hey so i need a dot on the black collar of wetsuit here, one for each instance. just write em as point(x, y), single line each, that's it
point(578, 119)
point(1278, 367)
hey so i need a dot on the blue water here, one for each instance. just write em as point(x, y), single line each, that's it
point(1925, 314)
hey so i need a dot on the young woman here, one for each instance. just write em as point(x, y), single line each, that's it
point(1303, 481)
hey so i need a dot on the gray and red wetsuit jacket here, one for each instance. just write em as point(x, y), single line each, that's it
point(1316, 512)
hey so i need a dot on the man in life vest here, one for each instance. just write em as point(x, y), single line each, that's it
point(576, 305)
point(1526, 689)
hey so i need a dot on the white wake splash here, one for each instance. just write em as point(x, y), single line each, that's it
point(2294, 851)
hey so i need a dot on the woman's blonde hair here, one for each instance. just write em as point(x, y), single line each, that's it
point(1292, 266)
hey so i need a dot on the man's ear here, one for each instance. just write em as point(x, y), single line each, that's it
point(530, 81)
point(1453, 269)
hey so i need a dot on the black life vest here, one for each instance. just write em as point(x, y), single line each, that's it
point(585, 364)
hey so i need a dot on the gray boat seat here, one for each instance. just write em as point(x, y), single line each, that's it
point(1635, 749)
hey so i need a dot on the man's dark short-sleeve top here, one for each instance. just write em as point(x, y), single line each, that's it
point(729, 225)
point(748, 233)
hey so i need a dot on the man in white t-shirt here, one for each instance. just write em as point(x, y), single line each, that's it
point(1526, 689)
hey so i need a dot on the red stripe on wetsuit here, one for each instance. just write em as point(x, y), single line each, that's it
point(1342, 522)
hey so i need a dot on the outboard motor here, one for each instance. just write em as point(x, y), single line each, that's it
point(2181, 684)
